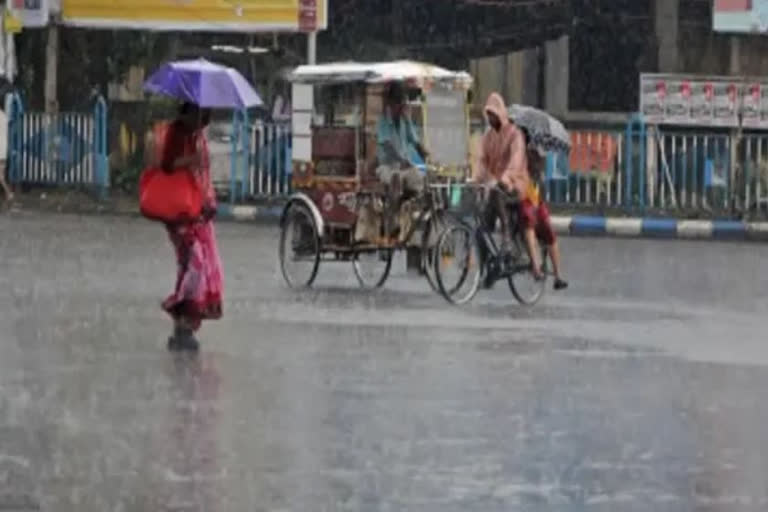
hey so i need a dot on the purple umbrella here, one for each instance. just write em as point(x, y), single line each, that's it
point(204, 83)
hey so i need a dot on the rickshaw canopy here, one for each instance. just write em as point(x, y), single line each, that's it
point(415, 73)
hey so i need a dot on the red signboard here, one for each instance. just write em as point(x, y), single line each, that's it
point(307, 15)
point(593, 152)
point(740, 16)
point(733, 5)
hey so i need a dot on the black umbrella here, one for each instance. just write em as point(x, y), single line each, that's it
point(546, 132)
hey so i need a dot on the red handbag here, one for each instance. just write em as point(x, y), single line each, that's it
point(170, 197)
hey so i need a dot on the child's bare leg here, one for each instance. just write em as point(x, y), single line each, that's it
point(533, 245)
point(554, 255)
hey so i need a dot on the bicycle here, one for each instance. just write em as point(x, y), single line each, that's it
point(472, 245)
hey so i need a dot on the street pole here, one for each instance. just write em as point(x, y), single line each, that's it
point(52, 68)
point(312, 48)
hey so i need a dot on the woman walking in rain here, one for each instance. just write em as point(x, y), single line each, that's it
point(182, 147)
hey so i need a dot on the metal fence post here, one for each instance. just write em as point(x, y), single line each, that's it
point(628, 167)
point(15, 113)
point(694, 173)
point(746, 172)
point(244, 152)
point(732, 187)
point(641, 137)
point(235, 152)
point(550, 172)
point(100, 150)
point(652, 167)
point(635, 130)
point(259, 158)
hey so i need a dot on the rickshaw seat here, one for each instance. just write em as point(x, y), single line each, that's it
point(369, 182)
point(373, 187)
point(333, 143)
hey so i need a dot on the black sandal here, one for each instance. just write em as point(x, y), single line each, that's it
point(183, 340)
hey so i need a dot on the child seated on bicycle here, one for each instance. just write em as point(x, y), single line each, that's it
point(535, 219)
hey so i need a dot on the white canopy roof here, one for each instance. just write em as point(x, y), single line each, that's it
point(378, 72)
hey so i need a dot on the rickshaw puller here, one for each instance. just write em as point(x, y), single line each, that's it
point(397, 147)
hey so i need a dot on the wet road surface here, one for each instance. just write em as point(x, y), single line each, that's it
point(642, 388)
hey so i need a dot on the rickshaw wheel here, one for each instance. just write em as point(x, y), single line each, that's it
point(524, 287)
point(372, 267)
point(299, 244)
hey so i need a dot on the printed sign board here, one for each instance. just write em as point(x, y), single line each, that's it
point(198, 15)
point(446, 130)
point(764, 105)
point(653, 95)
point(677, 108)
point(740, 16)
point(726, 102)
point(31, 13)
point(702, 102)
point(751, 97)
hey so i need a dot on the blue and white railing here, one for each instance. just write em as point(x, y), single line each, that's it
point(66, 148)
point(639, 170)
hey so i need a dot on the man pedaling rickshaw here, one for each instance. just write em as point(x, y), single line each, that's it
point(399, 150)
point(512, 169)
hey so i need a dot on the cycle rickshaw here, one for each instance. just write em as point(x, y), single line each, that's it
point(338, 210)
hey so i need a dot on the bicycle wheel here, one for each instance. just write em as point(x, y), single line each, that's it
point(372, 267)
point(429, 238)
point(524, 286)
point(299, 247)
point(457, 264)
